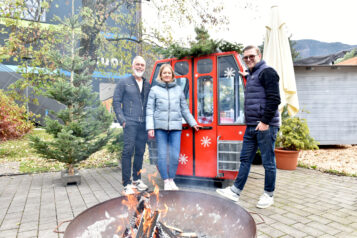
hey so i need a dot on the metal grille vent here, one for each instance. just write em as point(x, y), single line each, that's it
point(228, 155)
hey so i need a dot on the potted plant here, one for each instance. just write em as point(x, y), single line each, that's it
point(294, 135)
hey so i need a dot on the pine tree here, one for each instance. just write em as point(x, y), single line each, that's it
point(203, 45)
point(82, 127)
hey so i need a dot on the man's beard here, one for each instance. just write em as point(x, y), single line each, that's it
point(138, 74)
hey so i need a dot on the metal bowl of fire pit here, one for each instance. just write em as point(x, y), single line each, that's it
point(193, 214)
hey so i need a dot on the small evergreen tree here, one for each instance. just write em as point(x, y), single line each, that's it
point(84, 125)
point(202, 46)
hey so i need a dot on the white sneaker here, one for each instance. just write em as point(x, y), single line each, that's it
point(140, 185)
point(265, 201)
point(173, 185)
point(167, 185)
point(129, 189)
point(228, 193)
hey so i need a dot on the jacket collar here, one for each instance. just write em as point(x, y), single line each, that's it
point(133, 78)
point(257, 66)
point(164, 85)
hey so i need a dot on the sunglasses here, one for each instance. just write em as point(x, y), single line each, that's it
point(251, 57)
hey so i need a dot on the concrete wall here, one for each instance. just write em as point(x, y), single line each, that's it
point(328, 98)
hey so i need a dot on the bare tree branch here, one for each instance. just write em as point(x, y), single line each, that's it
point(125, 38)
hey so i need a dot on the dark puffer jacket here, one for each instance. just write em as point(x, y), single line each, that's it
point(262, 96)
point(166, 106)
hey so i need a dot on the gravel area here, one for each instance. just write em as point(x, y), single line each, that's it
point(336, 159)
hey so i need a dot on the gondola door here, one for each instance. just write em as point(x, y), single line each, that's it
point(183, 74)
point(205, 98)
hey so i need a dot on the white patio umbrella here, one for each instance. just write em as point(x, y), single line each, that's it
point(277, 54)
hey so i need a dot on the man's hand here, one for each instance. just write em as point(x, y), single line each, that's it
point(244, 74)
point(151, 133)
point(123, 125)
point(262, 127)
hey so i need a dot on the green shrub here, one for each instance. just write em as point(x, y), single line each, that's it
point(294, 134)
point(116, 144)
point(13, 121)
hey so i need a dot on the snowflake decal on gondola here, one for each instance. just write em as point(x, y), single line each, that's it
point(229, 73)
point(183, 159)
point(205, 141)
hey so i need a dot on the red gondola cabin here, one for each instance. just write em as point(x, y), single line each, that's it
point(214, 90)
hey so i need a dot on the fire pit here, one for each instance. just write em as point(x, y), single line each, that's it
point(202, 214)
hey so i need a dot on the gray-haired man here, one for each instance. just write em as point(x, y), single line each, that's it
point(129, 103)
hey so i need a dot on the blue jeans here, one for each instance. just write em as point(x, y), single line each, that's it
point(168, 142)
point(265, 140)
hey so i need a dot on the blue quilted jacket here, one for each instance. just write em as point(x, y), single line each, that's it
point(166, 107)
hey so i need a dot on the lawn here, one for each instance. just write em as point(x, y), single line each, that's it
point(17, 156)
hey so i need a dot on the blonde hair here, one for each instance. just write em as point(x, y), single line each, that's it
point(162, 69)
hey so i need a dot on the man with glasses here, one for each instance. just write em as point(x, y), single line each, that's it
point(262, 99)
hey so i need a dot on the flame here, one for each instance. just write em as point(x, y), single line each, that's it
point(148, 217)
point(118, 229)
point(163, 212)
point(131, 201)
point(156, 187)
point(142, 171)
point(150, 176)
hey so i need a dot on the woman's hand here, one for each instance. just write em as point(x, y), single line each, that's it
point(197, 127)
point(151, 133)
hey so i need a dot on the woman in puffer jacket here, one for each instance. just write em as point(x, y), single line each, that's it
point(164, 111)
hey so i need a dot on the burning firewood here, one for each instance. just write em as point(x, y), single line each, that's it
point(145, 222)
point(134, 224)
point(167, 230)
point(178, 232)
point(173, 228)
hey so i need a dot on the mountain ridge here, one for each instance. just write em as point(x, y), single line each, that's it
point(309, 47)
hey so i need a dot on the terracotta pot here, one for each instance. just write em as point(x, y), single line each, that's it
point(286, 159)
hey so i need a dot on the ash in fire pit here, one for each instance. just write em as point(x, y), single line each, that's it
point(170, 214)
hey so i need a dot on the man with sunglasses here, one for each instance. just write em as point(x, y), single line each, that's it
point(262, 99)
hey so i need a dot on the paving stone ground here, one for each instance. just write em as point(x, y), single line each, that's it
point(308, 203)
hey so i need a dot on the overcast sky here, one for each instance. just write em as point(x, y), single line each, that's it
point(323, 20)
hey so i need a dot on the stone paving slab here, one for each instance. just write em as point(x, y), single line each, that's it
point(308, 203)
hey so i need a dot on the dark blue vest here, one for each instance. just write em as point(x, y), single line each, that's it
point(255, 98)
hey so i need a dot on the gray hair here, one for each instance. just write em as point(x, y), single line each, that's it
point(138, 57)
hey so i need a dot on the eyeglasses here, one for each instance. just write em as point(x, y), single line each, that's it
point(251, 57)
